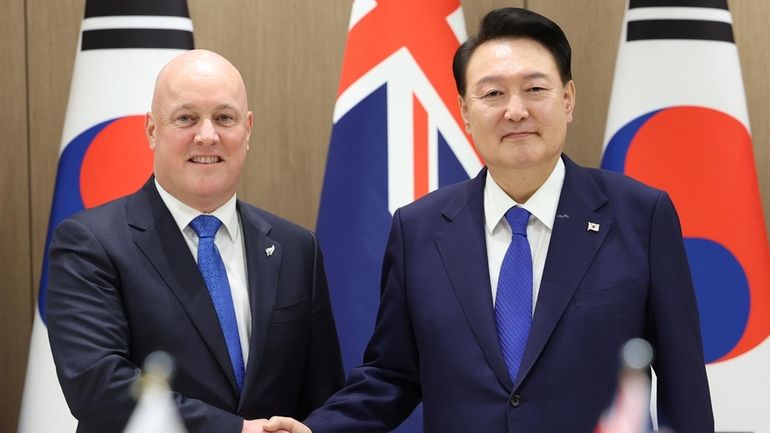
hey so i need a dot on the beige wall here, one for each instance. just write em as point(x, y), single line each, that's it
point(15, 259)
point(289, 52)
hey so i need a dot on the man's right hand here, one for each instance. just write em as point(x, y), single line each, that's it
point(253, 425)
point(281, 424)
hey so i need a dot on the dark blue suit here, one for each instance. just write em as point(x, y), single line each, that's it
point(435, 338)
point(123, 284)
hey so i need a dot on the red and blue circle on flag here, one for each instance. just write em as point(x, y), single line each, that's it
point(104, 162)
point(703, 158)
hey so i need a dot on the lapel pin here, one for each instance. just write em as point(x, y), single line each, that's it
point(270, 250)
point(593, 227)
point(562, 215)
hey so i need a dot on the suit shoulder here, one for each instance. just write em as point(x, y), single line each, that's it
point(276, 223)
point(439, 199)
point(102, 217)
point(617, 185)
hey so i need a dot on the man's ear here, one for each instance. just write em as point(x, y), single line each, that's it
point(464, 113)
point(149, 129)
point(569, 99)
point(249, 124)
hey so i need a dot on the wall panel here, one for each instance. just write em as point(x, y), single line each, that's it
point(52, 35)
point(16, 282)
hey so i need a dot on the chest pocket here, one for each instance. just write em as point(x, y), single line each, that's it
point(632, 290)
point(291, 312)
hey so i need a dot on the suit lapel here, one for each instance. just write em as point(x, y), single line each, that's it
point(462, 247)
point(263, 262)
point(158, 237)
point(570, 253)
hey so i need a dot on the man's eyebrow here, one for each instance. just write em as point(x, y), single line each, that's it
point(187, 106)
point(494, 78)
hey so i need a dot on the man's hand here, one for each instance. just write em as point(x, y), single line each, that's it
point(253, 425)
point(282, 424)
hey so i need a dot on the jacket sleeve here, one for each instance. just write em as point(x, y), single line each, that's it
point(384, 390)
point(684, 402)
point(324, 373)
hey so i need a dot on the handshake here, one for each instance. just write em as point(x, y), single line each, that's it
point(276, 424)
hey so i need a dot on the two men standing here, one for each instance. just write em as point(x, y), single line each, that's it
point(505, 299)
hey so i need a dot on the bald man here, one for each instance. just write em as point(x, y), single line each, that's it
point(236, 295)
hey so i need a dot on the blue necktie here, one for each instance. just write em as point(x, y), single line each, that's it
point(214, 275)
point(513, 302)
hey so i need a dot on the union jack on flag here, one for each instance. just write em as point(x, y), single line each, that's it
point(397, 135)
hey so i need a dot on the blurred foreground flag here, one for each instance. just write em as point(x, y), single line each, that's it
point(156, 411)
point(630, 412)
point(397, 135)
point(678, 121)
point(104, 153)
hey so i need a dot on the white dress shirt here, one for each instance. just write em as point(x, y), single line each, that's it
point(229, 242)
point(542, 206)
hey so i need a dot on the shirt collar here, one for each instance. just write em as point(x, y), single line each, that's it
point(542, 205)
point(184, 214)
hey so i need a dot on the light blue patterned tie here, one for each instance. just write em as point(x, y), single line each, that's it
point(213, 270)
point(513, 302)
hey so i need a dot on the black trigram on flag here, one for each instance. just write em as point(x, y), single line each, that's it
point(137, 24)
point(668, 26)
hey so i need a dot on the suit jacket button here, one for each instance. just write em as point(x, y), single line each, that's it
point(515, 400)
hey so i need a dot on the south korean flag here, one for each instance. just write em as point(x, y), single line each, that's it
point(678, 121)
point(104, 153)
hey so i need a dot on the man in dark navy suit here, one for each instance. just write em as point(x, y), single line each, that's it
point(600, 257)
point(251, 330)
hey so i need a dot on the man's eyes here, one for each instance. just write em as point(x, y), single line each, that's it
point(492, 94)
point(184, 118)
point(222, 119)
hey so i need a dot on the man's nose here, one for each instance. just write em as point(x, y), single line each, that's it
point(207, 133)
point(516, 108)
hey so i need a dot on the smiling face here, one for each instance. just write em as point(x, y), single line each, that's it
point(199, 129)
point(516, 109)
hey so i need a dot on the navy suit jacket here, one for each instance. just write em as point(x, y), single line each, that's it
point(123, 284)
point(435, 338)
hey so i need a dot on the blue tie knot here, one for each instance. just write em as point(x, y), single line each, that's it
point(205, 226)
point(517, 218)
